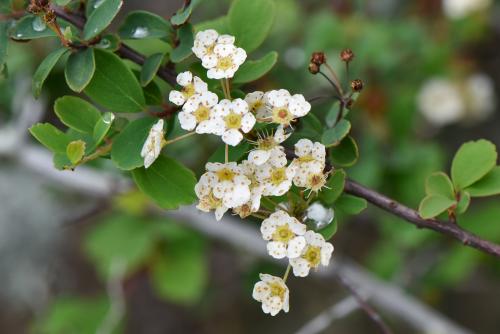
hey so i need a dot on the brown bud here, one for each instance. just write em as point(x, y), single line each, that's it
point(34, 9)
point(347, 55)
point(357, 85)
point(313, 68)
point(49, 17)
point(318, 58)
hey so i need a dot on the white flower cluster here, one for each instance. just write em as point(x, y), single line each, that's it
point(457, 9)
point(444, 102)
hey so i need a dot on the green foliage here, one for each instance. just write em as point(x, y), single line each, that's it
point(434, 205)
point(114, 86)
point(236, 153)
point(30, 27)
point(335, 135)
point(166, 191)
point(102, 127)
point(184, 13)
point(127, 146)
point(76, 113)
point(329, 230)
point(440, 184)
point(251, 21)
point(80, 68)
point(487, 186)
point(350, 205)
point(334, 187)
point(143, 25)
point(252, 70)
point(44, 69)
point(103, 13)
point(50, 137)
point(186, 41)
point(4, 39)
point(150, 67)
point(346, 153)
point(75, 151)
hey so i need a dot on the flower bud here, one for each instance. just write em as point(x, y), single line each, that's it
point(313, 68)
point(318, 58)
point(49, 17)
point(346, 55)
point(357, 85)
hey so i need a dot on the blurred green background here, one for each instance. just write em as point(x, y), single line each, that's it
point(70, 253)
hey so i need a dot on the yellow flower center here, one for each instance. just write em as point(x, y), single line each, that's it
point(188, 91)
point(256, 105)
point(212, 201)
point(278, 175)
point(282, 116)
point(202, 114)
point(277, 290)
point(316, 181)
point(225, 63)
point(210, 49)
point(233, 121)
point(306, 158)
point(266, 144)
point(225, 174)
point(283, 234)
point(313, 256)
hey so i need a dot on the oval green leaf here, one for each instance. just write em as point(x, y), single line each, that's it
point(489, 185)
point(333, 136)
point(346, 153)
point(252, 70)
point(335, 187)
point(80, 68)
point(50, 137)
point(434, 205)
point(75, 151)
point(329, 231)
point(439, 184)
point(77, 113)
point(44, 69)
point(350, 205)
point(104, 12)
point(143, 25)
point(184, 13)
point(150, 67)
point(31, 27)
point(186, 38)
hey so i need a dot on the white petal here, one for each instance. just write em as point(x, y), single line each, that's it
point(232, 137)
point(176, 97)
point(209, 61)
point(224, 50)
point(187, 121)
point(239, 106)
point(303, 147)
point(297, 227)
point(239, 56)
point(219, 212)
point(200, 86)
point(225, 39)
point(247, 122)
point(276, 249)
point(314, 239)
point(258, 157)
point(260, 291)
point(207, 37)
point(280, 135)
point(326, 253)
point(254, 97)
point(300, 267)
point(184, 78)
point(295, 247)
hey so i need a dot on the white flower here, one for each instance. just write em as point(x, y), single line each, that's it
point(197, 113)
point(273, 293)
point(268, 147)
point(285, 235)
point(230, 183)
point(192, 86)
point(256, 188)
point(440, 101)
point(208, 201)
point(225, 62)
point(153, 144)
point(456, 9)
point(283, 108)
point(275, 176)
point(316, 252)
point(309, 164)
point(233, 118)
point(257, 104)
point(205, 42)
point(480, 96)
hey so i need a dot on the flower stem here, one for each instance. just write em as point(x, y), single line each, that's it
point(225, 88)
point(287, 272)
point(167, 142)
point(103, 150)
point(335, 78)
point(256, 215)
point(226, 154)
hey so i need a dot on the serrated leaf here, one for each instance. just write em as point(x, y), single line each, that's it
point(77, 113)
point(329, 231)
point(101, 17)
point(439, 184)
point(184, 13)
point(31, 27)
point(346, 153)
point(333, 136)
point(127, 146)
point(113, 85)
point(168, 183)
point(472, 161)
point(434, 205)
point(186, 41)
point(351, 205)
point(251, 21)
point(143, 25)
point(252, 70)
point(150, 67)
point(50, 137)
point(44, 69)
point(80, 68)
point(75, 151)
point(489, 185)
point(334, 186)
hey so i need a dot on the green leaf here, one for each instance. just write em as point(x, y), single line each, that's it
point(251, 21)
point(464, 202)
point(31, 27)
point(433, 205)
point(127, 146)
point(472, 161)
point(109, 42)
point(50, 137)
point(102, 127)
point(44, 69)
point(150, 67)
point(332, 114)
point(489, 185)
point(77, 113)
point(235, 152)
point(186, 40)
point(219, 24)
point(252, 70)
point(80, 68)
point(439, 184)
point(152, 94)
point(346, 153)
point(334, 186)
point(101, 17)
point(333, 136)
point(167, 182)
point(143, 25)
point(351, 205)
point(329, 231)
point(113, 85)
point(4, 41)
point(75, 151)
point(184, 13)
point(309, 127)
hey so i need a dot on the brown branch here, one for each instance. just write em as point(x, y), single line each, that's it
point(412, 216)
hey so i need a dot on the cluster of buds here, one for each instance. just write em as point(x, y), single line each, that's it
point(38, 6)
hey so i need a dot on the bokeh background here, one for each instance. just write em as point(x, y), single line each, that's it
point(84, 252)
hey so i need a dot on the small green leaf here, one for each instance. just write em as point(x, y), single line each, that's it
point(351, 205)
point(332, 115)
point(152, 94)
point(252, 70)
point(50, 137)
point(80, 68)
point(251, 21)
point(75, 151)
point(44, 69)
point(77, 113)
point(113, 85)
point(143, 25)
point(346, 153)
point(127, 146)
point(102, 127)
point(186, 38)
point(489, 185)
point(439, 184)
point(184, 13)
point(109, 42)
point(329, 231)
point(235, 152)
point(167, 182)
point(472, 161)
point(333, 136)
point(464, 202)
point(31, 27)
point(101, 17)
point(150, 67)
point(334, 187)
point(309, 127)
point(433, 205)
point(219, 24)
